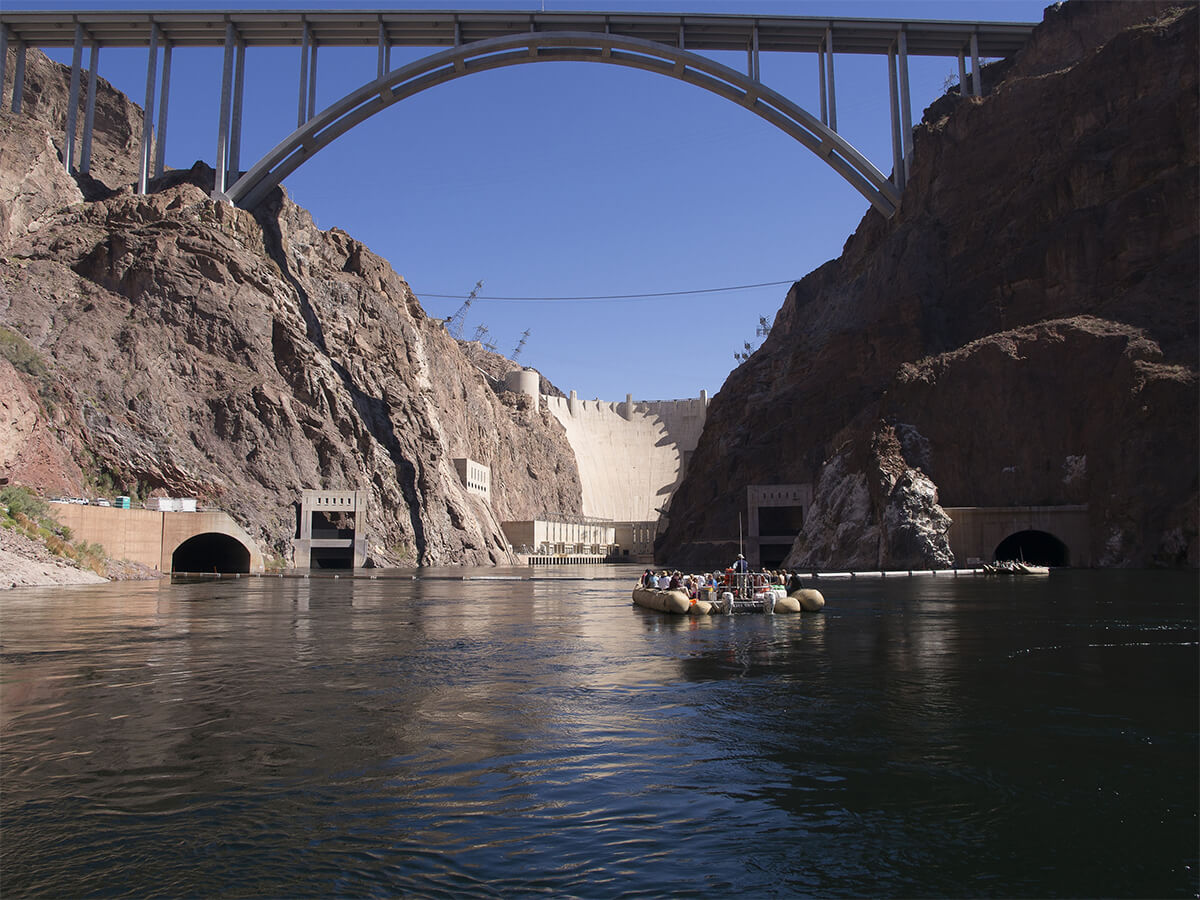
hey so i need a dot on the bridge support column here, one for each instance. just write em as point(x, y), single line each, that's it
point(906, 126)
point(235, 125)
point(18, 88)
point(385, 52)
point(89, 111)
point(312, 80)
point(68, 151)
point(898, 168)
point(3, 59)
point(222, 168)
point(825, 80)
point(148, 110)
point(160, 143)
point(962, 74)
point(829, 79)
point(976, 75)
point(302, 111)
point(752, 69)
point(821, 83)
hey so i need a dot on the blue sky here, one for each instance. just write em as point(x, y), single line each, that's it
point(575, 179)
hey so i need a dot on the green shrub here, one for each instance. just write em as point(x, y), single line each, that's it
point(20, 353)
point(23, 502)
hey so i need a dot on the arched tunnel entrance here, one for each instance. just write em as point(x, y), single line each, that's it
point(211, 552)
point(1037, 547)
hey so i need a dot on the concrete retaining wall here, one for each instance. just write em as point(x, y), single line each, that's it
point(976, 531)
point(148, 536)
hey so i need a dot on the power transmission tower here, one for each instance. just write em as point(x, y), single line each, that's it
point(484, 339)
point(520, 344)
point(460, 314)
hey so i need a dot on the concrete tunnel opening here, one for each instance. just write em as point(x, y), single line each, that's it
point(211, 553)
point(1038, 547)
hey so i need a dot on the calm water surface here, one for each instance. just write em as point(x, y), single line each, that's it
point(494, 737)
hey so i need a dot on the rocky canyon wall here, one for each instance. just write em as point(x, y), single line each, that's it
point(167, 344)
point(1023, 331)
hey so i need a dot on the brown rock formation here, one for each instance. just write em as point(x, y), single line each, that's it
point(871, 508)
point(1096, 400)
point(118, 123)
point(185, 347)
point(1032, 304)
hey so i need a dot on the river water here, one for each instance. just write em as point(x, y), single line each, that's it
point(442, 737)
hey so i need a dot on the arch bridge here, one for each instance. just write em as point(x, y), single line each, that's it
point(469, 42)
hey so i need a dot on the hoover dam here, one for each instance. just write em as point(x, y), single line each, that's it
point(631, 454)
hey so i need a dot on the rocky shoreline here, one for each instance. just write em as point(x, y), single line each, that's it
point(25, 562)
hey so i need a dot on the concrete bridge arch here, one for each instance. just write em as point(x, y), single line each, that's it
point(485, 39)
point(583, 46)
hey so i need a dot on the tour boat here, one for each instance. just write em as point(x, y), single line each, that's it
point(725, 603)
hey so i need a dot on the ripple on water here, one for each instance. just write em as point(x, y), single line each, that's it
point(373, 738)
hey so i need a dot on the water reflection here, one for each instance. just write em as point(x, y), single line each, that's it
point(442, 736)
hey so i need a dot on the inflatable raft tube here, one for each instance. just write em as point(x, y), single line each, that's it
point(670, 601)
point(810, 599)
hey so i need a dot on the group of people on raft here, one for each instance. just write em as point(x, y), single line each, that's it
point(738, 576)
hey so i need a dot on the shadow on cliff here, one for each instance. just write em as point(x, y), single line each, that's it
point(372, 411)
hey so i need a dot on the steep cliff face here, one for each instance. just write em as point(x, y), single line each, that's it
point(870, 508)
point(175, 345)
point(115, 145)
point(1096, 400)
point(1068, 191)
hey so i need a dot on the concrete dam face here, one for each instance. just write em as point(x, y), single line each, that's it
point(631, 455)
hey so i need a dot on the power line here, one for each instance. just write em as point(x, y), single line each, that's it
point(646, 296)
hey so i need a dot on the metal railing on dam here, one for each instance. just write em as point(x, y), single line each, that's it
point(586, 559)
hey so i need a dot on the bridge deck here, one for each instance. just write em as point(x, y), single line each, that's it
point(700, 32)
